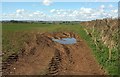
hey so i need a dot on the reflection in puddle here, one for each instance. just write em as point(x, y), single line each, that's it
point(65, 40)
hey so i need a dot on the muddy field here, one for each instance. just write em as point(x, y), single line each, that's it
point(43, 56)
point(35, 48)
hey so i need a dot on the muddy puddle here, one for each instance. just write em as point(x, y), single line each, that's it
point(65, 40)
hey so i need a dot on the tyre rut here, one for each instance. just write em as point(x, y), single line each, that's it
point(54, 64)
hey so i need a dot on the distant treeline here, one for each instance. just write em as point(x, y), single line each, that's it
point(43, 22)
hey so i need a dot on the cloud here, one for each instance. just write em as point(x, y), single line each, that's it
point(114, 11)
point(20, 11)
point(110, 6)
point(53, 10)
point(47, 2)
point(86, 10)
point(81, 14)
point(102, 6)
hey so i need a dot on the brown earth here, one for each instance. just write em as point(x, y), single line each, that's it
point(42, 56)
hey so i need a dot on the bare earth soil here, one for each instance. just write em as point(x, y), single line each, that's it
point(42, 56)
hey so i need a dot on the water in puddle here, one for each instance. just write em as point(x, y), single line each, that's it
point(65, 40)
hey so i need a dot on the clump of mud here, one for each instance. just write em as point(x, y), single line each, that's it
point(42, 56)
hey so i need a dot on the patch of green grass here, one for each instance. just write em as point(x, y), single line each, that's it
point(102, 54)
